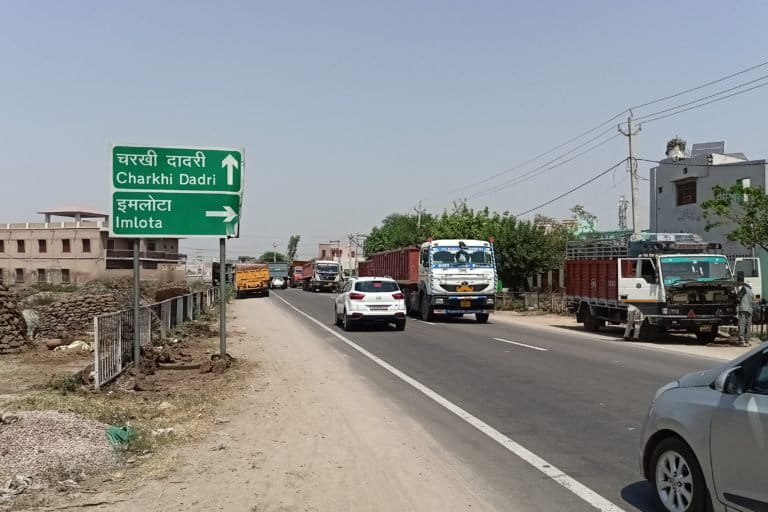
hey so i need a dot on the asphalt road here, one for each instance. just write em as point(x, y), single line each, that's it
point(574, 401)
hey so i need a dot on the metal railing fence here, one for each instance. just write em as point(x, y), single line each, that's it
point(113, 332)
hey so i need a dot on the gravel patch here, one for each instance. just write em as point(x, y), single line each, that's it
point(52, 445)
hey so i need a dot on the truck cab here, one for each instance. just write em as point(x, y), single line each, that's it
point(456, 277)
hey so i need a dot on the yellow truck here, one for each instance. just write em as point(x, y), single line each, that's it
point(251, 278)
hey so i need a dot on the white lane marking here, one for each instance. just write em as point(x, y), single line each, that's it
point(428, 323)
point(573, 485)
point(542, 349)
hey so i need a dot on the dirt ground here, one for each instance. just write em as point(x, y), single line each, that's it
point(304, 432)
point(33, 369)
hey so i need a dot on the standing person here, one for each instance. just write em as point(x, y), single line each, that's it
point(634, 321)
point(745, 297)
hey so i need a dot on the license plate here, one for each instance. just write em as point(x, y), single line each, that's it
point(378, 308)
point(705, 328)
point(466, 303)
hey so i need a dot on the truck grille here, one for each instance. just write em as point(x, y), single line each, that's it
point(463, 287)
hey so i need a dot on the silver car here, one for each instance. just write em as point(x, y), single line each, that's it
point(704, 443)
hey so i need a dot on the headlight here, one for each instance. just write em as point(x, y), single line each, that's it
point(666, 387)
point(489, 300)
point(439, 300)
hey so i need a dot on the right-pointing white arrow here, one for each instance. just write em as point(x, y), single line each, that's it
point(228, 214)
point(230, 163)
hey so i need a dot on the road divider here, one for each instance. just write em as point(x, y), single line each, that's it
point(577, 488)
point(532, 347)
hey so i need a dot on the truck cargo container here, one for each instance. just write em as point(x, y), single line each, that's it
point(677, 281)
point(447, 278)
point(251, 278)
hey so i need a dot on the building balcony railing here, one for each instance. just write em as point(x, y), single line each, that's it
point(115, 254)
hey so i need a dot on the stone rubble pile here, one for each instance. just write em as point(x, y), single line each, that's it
point(74, 316)
point(13, 328)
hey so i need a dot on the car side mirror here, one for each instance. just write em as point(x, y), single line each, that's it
point(730, 382)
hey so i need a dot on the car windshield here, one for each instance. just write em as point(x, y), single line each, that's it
point(694, 268)
point(327, 267)
point(444, 256)
point(376, 286)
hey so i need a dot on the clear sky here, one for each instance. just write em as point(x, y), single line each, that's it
point(349, 111)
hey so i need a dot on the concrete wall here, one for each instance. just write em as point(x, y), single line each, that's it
point(667, 216)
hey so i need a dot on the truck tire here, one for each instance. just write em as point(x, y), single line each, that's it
point(648, 332)
point(481, 317)
point(591, 323)
point(426, 310)
point(266, 292)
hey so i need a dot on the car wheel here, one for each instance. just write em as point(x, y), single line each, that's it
point(400, 324)
point(346, 321)
point(677, 477)
point(336, 319)
point(481, 317)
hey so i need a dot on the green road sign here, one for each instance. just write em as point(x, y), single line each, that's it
point(175, 192)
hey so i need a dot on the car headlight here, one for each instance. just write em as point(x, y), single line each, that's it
point(666, 387)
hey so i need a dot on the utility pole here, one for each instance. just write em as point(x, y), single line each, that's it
point(419, 211)
point(274, 252)
point(633, 176)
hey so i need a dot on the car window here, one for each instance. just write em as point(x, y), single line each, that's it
point(376, 286)
point(761, 378)
point(347, 287)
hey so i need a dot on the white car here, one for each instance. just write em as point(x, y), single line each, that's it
point(370, 300)
point(277, 282)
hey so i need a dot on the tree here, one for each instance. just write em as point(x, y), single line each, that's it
point(742, 209)
point(398, 230)
point(293, 246)
point(587, 223)
point(273, 256)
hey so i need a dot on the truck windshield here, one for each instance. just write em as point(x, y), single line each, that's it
point(327, 267)
point(694, 268)
point(444, 256)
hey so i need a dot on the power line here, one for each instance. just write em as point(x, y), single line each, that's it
point(574, 189)
point(702, 86)
point(543, 168)
point(702, 98)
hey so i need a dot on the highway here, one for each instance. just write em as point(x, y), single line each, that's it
point(575, 402)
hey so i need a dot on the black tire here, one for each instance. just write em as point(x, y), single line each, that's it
point(426, 310)
point(346, 321)
point(239, 295)
point(648, 332)
point(400, 324)
point(336, 320)
point(691, 485)
point(266, 292)
point(482, 317)
point(591, 323)
point(705, 338)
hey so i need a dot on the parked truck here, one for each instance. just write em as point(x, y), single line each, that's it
point(447, 278)
point(321, 275)
point(297, 272)
point(252, 278)
point(677, 281)
point(279, 270)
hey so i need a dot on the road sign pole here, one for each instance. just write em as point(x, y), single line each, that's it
point(136, 306)
point(222, 299)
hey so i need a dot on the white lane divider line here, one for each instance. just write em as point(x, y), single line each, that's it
point(542, 349)
point(570, 483)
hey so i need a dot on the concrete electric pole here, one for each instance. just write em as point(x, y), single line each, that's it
point(419, 211)
point(633, 177)
point(274, 252)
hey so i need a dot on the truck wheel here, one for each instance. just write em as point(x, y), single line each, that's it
point(705, 338)
point(591, 323)
point(426, 311)
point(266, 292)
point(648, 332)
point(481, 317)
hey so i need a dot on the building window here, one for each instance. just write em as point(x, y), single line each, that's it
point(352, 254)
point(323, 256)
point(41, 275)
point(86, 245)
point(65, 276)
point(151, 246)
point(20, 246)
point(1, 276)
point(65, 247)
point(744, 183)
point(19, 275)
point(42, 246)
point(686, 193)
point(661, 189)
point(2, 245)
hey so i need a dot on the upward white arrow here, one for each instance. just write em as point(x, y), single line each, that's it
point(230, 163)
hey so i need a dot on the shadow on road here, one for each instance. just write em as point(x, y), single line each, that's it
point(640, 495)
point(667, 339)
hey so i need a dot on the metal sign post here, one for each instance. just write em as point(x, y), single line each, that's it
point(222, 299)
point(136, 305)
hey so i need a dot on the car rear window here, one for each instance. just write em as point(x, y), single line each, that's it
point(376, 286)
